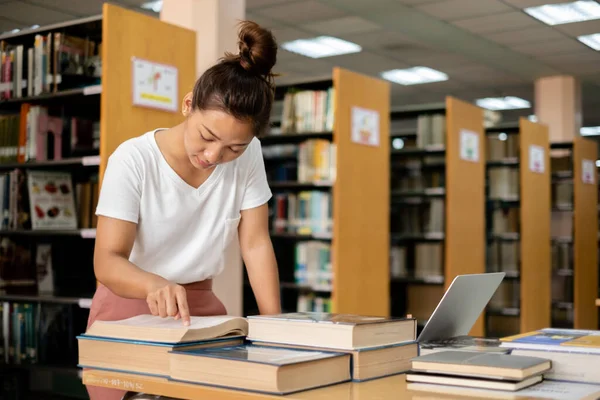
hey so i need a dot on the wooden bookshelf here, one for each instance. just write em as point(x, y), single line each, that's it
point(125, 36)
point(356, 194)
point(585, 233)
point(536, 266)
point(575, 234)
point(360, 194)
point(465, 198)
point(518, 169)
point(428, 170)
point(106, 100)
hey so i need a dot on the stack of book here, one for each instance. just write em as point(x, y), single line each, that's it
point(467, 369)
point(571, 351)
point(278, 354)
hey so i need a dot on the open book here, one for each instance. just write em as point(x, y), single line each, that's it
point(150, 328)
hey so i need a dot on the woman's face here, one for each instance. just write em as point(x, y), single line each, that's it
point(214, 137)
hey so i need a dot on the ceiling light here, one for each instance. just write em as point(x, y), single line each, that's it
point(155, 6)
point(598, 163)
point(34, 26)
point(322, 46)
point(503, 136)
point(564, 13)
point(414, 76)
point(590, 131)
point(503, 103)
point(592, 40)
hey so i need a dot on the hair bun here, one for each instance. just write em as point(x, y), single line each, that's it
point(258, 48)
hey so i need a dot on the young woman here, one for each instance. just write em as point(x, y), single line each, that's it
point(178, 205)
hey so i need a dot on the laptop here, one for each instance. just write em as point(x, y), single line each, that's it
point(461, 305)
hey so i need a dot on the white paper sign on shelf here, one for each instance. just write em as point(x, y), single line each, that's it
point(469, 145)
point(155, 85)
point(365, 126)
point(588, 170)
point(536, 159)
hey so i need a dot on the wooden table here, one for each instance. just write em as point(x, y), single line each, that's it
point(393, 387)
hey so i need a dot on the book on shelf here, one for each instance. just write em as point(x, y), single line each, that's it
point(307, 111)
point(48, 64)
point(339, 331)
point(260, 368)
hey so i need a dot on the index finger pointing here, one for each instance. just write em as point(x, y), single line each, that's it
point(182, 306)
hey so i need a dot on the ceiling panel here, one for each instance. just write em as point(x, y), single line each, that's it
point(497, 23)
point(341, 26)
point(262, 20)
point(254, 4)
point(30, 14)
point(565, 45)
point(302, 11)
point(80, 8)
point(578, 68)
point(284, 34)
point(528, 35)
point(485, 77)
point(578, 56)
point(367, 62)
point(532, 3)
point(580, 28)
point(417, 2)
point(460, 9)
point(8, 25)
point(380, 40)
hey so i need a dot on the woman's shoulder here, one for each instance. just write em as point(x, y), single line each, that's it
point(134, 150)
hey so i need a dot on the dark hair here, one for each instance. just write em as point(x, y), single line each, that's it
point(242, 84)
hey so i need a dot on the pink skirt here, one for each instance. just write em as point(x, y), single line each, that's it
point(107, 306)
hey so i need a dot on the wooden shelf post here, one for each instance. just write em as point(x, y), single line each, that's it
point(585, 239)
point(361, 192)
point(536, 266)
point(465, 194)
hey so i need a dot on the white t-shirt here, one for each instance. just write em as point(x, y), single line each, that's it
point(184, 234)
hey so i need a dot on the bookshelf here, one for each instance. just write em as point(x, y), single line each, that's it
point(329, 211)
point(574, 234)
point(80, 81)
point(437, 216)
point(518, 169)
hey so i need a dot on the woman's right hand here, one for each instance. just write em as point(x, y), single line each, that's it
point(169, 300)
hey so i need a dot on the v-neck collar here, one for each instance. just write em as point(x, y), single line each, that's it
point(175, 177)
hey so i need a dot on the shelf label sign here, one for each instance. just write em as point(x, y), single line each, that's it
point(365, 126)
point(155, 85)
point(536, 159)
point(588, 170)
point(469, 145)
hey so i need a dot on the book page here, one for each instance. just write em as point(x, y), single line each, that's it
point(151, 321)
point(323, 317)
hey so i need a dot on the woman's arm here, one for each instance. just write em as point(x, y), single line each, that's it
point(259, 257)
point(114, 241)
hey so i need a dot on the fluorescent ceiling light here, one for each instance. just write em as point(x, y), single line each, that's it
point(564, 13)
point(155, 6)
point(590, 131)
point(592, 40)
point(503, 103)
point(414, 75)
point(322, 46)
